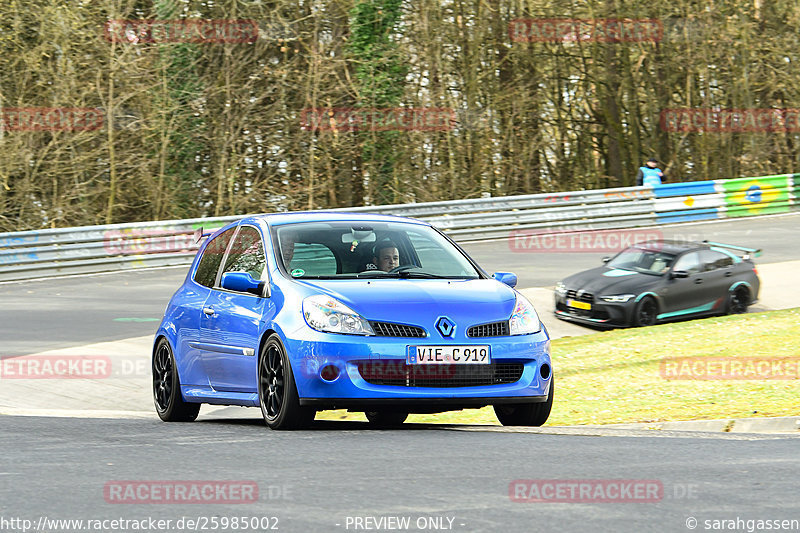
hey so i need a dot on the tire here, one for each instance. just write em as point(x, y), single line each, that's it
point(645, 312)
point(277, 391)
point(386, 418)
point(526, 414)
point(738, 300)
point(167, 396)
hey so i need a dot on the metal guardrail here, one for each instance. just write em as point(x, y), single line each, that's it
point(115, 247)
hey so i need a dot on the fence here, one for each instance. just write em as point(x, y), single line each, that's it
point(114, 247)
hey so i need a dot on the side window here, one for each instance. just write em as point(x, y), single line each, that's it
point(689, 262)
point(247, 253)
point(206, 272)
point(712, 260)
point(312, 259)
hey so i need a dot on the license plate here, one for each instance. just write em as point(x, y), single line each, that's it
point(579, 305)
point(449, 355)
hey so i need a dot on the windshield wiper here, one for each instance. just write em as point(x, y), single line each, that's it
point(403, 274)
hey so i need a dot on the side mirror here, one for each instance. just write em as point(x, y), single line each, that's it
point(679, 274)
point(509, 278)
point(242, 282)
point(606, 259)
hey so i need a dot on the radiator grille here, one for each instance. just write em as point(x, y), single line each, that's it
point(389, 329)
point(495, 329)
point(400, 374)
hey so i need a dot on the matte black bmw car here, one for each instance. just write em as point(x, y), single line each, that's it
point(658, 281)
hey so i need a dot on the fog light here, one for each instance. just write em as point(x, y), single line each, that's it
point(544, 371)
point(329, 373)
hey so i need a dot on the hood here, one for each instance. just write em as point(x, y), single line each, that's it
point(606, 281)
point(422, 302)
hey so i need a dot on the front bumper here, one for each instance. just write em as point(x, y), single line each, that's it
point(349, 389)
point(602, 314)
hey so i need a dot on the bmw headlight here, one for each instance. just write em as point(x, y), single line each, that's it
point(561, 289)
point(617, 298)
point(524, 320)
point(327, 314)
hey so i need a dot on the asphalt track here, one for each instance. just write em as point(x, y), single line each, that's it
point(319, 479)
point(314, 480)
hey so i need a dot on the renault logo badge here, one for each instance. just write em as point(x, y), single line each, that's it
point(445, 326)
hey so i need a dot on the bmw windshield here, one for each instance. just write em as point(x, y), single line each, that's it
point(374, 250)
point(645, 261)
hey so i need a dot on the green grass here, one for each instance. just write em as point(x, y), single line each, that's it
point(614, 376)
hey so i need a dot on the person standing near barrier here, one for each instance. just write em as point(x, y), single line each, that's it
point(650, 175)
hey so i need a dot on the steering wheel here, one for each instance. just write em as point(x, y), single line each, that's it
point(402, 268)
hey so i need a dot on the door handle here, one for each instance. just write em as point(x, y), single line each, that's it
point(698, 280)
point(728, 274)
point(208, 311)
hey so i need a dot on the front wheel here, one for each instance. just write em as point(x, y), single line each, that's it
point(167, 396)
point(386, 418)
point(277, 391)
point(646, 312)
point(526, 414)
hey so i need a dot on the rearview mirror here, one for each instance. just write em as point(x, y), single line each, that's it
point(679, 274)
point(509, 278)
point(242, 282)
point(606, 259)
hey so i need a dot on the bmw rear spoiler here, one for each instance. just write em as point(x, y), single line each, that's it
point(748, 252)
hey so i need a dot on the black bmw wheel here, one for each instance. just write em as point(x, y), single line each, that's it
point(277, 392)
point(386, 418)
point(738, 300)
point(167, 396)
point(526, 414)
point(646, 312)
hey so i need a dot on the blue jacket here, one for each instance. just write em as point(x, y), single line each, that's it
point(649, 177)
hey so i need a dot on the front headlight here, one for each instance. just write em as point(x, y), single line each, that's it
point(617, 298)
point(327, 314)
point(561, 289)
point(524, 320)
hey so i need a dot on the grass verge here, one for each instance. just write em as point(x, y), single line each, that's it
point(615, 376)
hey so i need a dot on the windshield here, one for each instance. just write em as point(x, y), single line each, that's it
point(642, 260)
point(341, 250)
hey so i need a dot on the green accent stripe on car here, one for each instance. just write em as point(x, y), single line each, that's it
point(615, 273)
point(699, 309)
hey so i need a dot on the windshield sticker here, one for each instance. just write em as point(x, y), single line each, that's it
point(298, 272)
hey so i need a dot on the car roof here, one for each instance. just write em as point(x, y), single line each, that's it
point(277, 219)
point(670, 246)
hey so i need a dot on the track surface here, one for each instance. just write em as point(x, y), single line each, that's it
point(58, 468)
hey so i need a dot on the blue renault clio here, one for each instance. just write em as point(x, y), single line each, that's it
point(301, 312)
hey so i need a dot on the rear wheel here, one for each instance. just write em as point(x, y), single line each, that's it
point(526, 414)
point(167, 396)
point(277, 391)
point(386, 418)
point(738, 300)
point(645, 312)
